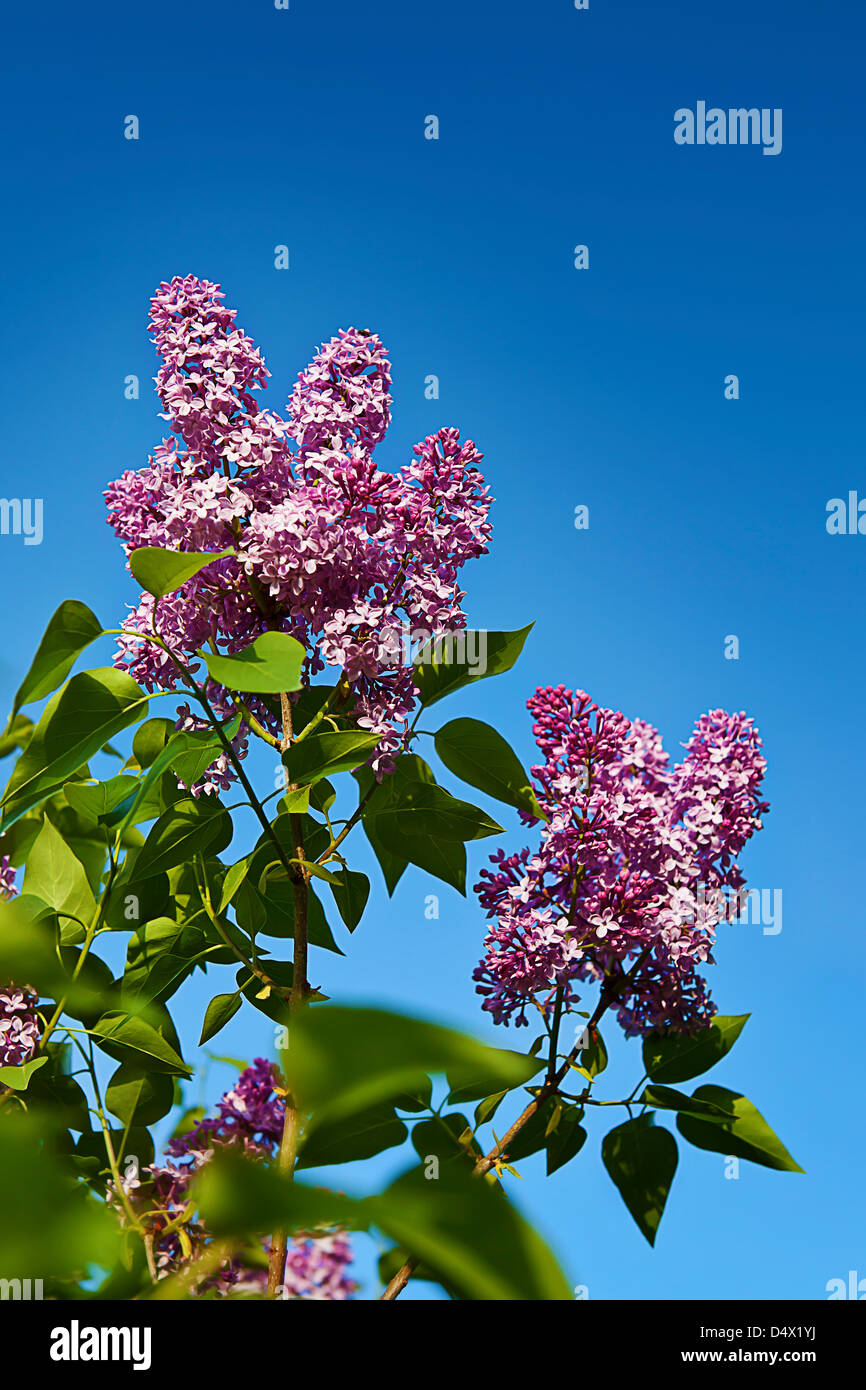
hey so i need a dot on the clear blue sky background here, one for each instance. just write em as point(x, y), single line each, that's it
point(602, 387)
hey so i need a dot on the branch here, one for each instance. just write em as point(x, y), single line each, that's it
point(298, 997)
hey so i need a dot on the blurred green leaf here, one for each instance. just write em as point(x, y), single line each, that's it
point(475, 1241)
point(51, 1227)
point(343, 1060)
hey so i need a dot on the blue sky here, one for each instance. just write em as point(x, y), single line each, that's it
point(602, 387)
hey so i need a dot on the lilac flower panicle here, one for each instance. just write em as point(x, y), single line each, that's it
point(328, 547)
point(633, 857)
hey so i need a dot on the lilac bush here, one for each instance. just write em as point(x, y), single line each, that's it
point(297, 593)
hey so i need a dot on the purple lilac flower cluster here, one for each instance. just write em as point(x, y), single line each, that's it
point(633, 858)
point(327, 547)
point(19, 1024)
point(249, 1117)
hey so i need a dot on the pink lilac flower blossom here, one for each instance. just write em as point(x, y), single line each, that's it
point(327, 546)
point(633, 858)
point(19, 1023)
point(250, 1118)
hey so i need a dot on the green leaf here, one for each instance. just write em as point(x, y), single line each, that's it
point(268, 666)
point(487, 1108)
point(321, 755)
point(276, 872)
point(273, 913)
point(593, 1058)
point(476, 1081)
point(90, 1158)
point(472, 1240)
point(129, 1039)
point(93, 989)
point(57, 877)
point(155, 937)
point(59, 1099)
point(296, 802)
point(409, 819)
point(149, 800)
point(233, 880)
point(192, 826)
point(393, 865)
point(741, 1131)
point(351, 891)
point(220, 1011)
point(92, 800)
point(418, 1099)
point(422, 809)
point(19, 1077)
point(128, 903)
point(665, 1098)
point(477, 754)
point(70, 630)
point(49, 1230)
point(157, 984)
point(133, 1093)
point(356, 1137)
point(463, 1230)
point(16, 734)
point(448, 1138)
point(445, 859)
point(566, 1140)
point(642, 1161)
point(675, 1057)
point(239, 1197)
point(149, 740)
point(160, 572)
point(343, 1060)
point(435, 676)
point(322, 795)
point(30, 954)
point(75, 724)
